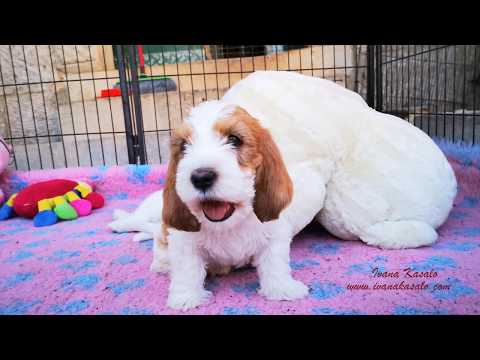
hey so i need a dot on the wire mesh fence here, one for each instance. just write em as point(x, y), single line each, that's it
point(435, 87)
point(211, 76)
point(64, 105)
point(49, 109)
point(92, 105)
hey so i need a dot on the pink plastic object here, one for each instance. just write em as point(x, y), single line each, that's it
point(83, 207)
point(5, 151)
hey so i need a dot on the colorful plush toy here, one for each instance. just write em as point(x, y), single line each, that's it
point(47, 202)
point(5, 153)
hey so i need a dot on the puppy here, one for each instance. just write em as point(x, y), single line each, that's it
point(225, 205)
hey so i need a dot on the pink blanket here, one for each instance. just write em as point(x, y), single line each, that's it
point(80, 267)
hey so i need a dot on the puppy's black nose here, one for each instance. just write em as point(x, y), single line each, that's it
point(203, 178)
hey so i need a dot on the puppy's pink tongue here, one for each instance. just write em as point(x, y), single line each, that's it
point(217, 210)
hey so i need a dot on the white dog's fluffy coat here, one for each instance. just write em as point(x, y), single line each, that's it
point(362, 174)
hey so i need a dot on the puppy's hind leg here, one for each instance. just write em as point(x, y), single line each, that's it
point(402, 234)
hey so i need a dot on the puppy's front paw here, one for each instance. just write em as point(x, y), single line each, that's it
point(159, 265)
point(186, 300)
point(288, 289)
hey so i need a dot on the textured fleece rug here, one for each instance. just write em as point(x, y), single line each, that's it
point(80, 267)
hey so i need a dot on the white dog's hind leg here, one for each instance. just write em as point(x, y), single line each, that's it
point(147, 231)
point(151, 228)
point(120, 214)
point(308, 196)
point(146, 218)
point(134, 223)
point(125, 224)
point(142, 236)
point(402, 234)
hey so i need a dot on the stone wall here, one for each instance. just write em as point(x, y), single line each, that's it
point(28, 104)
point(30, 100)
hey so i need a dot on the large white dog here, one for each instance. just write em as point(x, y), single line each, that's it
point(280, 149)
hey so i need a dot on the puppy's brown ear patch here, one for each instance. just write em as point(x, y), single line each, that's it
point(175, 213)
point(273, 186)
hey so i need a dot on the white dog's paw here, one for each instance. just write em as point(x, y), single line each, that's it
point(142, 236)
point(116, 226)
point(186, 300)
point(289, 289)
point(159, 265)
point(119, 214)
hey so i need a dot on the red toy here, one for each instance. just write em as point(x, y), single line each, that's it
point(48, 201)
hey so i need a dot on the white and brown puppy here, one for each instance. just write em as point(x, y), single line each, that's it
point(225, 191)
point(249, 172)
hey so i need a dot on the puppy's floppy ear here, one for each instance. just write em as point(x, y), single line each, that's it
point(273, 186)
point(175, 213)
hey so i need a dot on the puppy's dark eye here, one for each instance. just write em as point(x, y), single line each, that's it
point(183, 146)
point(235, 141)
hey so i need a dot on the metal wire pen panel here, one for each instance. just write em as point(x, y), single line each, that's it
point(49, 106)
point(91, 105)
point(435, 87)
point(213, 69)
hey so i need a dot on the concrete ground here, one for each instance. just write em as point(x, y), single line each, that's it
point(94, 131)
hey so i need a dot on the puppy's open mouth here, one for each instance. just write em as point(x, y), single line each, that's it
point(216, 211)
